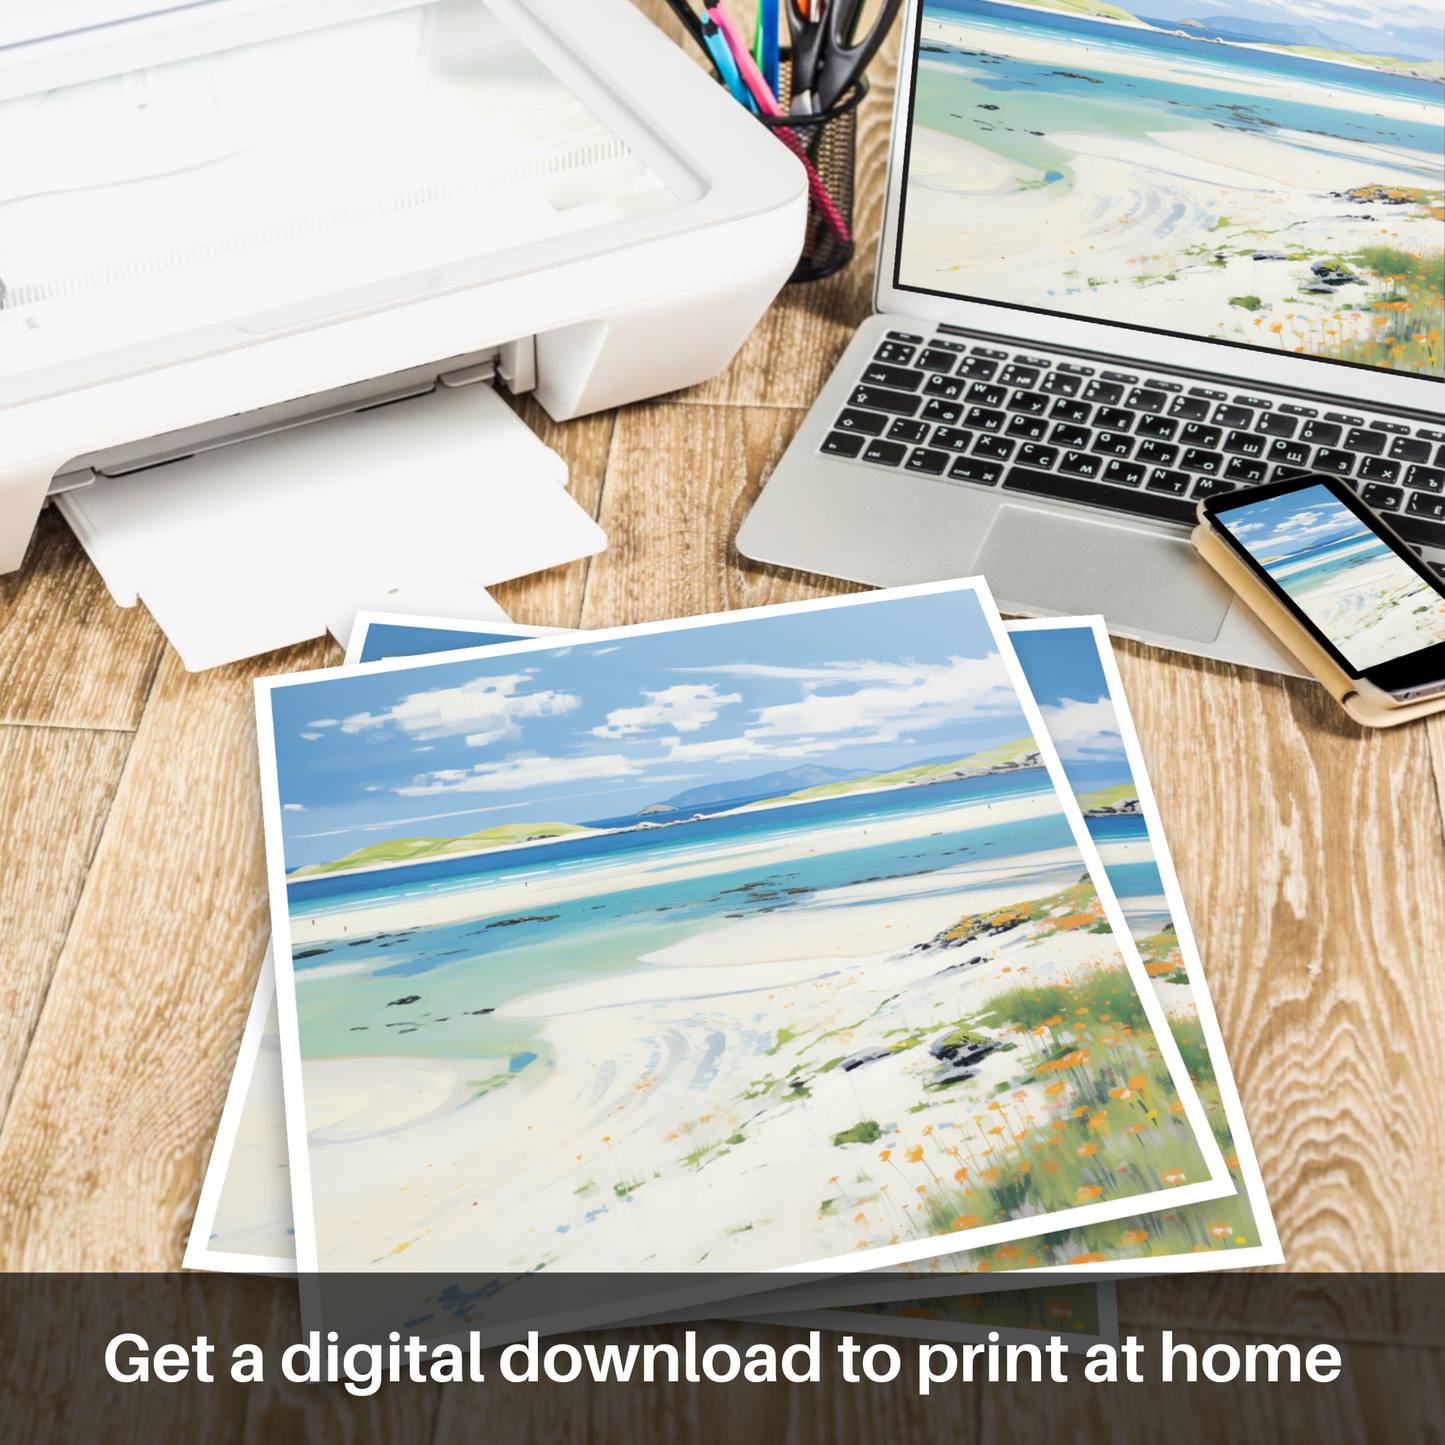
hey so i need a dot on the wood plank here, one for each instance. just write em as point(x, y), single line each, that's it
point(554, 598)
point(679, 482)
point(1205, 1413)
point(1311, 858)
point(70, 656)
point(706, 1413)
point(102, 1150)
point(56, 786)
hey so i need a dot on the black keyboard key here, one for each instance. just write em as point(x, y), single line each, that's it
point(876, 373)
point(1376, 469)
point(1371, 443)
point(1161, 479)
point(1124, 474)
point(1037, 361)
point(1156, 454)
point(867, 422)
point(1033, 456)
point(895, 353)
point(1128, 378)
point(945, 411)
point(843, 444)
point(1143, 399)
point(1417, 530)
point(1070, 436)
point(1031, 428)
point(1344, 418)
point(1331, 459)
point(1112, 444)
point(877, 398)
point(905, 336)
point(1035, 403)
point(995, 448)
point(1426, 479)
point(1293, 410)
point(1081, 464)
point(1271, 424)
point(1233, 415)
point(1321, 433)
point(943, 344)
point(1074, 488)
point(1407, 449)
point(973, 469)
point(1430, 434)
point(1290, 474)
point(904, 429)
point(1077, 370)
point(1162, 385)
point(954, 438)
point(1381, 498)
point(925, 459)
point(1076, 411)
point(1210, 487)
point(1195, 435)
point(981, 419)
point(1245, 444)
point(1189, 408)
point(982, 394)
point(1059, 383)
point(948, 387)
point(1422, 504)
point(1440, 457)
point(1016, 375)
point(886, 454)
point(991, 351)
point(1245, 469)
point(977, 368)
point(932, 359)
point(1156, 426)
point(1113, 418)
point(1107, 392)
point(1208, 394)
point(1199, 460)
point(1289, 453)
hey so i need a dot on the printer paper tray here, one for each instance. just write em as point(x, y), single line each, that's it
point(417, 506)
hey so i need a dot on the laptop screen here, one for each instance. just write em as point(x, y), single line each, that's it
point(1263, 174)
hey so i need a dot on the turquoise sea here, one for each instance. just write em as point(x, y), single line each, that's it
point(428, 990)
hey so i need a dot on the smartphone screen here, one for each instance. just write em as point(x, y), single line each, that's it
point(1336, 566)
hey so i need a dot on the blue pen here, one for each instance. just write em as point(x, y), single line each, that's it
point(727, 67)
point(768, 50)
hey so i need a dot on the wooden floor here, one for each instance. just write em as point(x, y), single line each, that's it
point(134, 914)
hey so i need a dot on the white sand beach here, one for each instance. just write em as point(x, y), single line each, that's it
point(1376, 611)
point(671, 1122)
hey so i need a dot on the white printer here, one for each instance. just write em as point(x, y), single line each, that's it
point(223, 221)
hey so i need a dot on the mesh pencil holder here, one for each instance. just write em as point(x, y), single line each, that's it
point(826, 143)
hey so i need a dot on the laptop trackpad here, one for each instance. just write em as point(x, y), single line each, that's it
point(1073, 565)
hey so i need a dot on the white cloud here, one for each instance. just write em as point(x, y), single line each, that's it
point(325, 722)
point(293, 808)
point(485, 711)
point(528, 770)
point(684, 708)
point(1085, 732)
point(1244, 527)
point(310, 737)
point(895, 700)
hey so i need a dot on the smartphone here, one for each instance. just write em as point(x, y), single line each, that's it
point(1338, 569)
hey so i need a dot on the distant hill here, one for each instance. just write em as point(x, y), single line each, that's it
point(1123, 798)
point(1241, 27)
point(1020, 753)
point(413, 850)
point(807, 775)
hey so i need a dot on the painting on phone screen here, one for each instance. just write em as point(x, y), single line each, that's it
point(1358, 592)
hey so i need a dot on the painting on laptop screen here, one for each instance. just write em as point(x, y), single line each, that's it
point(1262, 174)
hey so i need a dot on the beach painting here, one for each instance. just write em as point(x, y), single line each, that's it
point(1371, 605)
point(740, 943)
point(1272, 175)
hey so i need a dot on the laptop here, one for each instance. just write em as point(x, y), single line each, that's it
point(1127, 264)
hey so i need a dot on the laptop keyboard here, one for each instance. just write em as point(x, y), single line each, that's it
point(1144, 444)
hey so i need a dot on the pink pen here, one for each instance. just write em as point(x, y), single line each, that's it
point(768, 105)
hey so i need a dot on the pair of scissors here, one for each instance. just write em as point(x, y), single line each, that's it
point(828, 55)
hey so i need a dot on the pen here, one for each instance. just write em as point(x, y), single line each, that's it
point(765, 42)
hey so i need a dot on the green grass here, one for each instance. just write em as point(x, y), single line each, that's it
point(1249, 303)
point(1106, 797)
point(411, 850)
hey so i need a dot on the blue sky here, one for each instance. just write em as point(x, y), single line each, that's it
point(1067, 680)
point(581, 731)
point(1292, 523)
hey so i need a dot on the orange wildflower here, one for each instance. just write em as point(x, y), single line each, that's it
point(1173, 1176)
point(1134, 1236)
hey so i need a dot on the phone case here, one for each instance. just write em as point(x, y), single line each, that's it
point(1262, 602)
